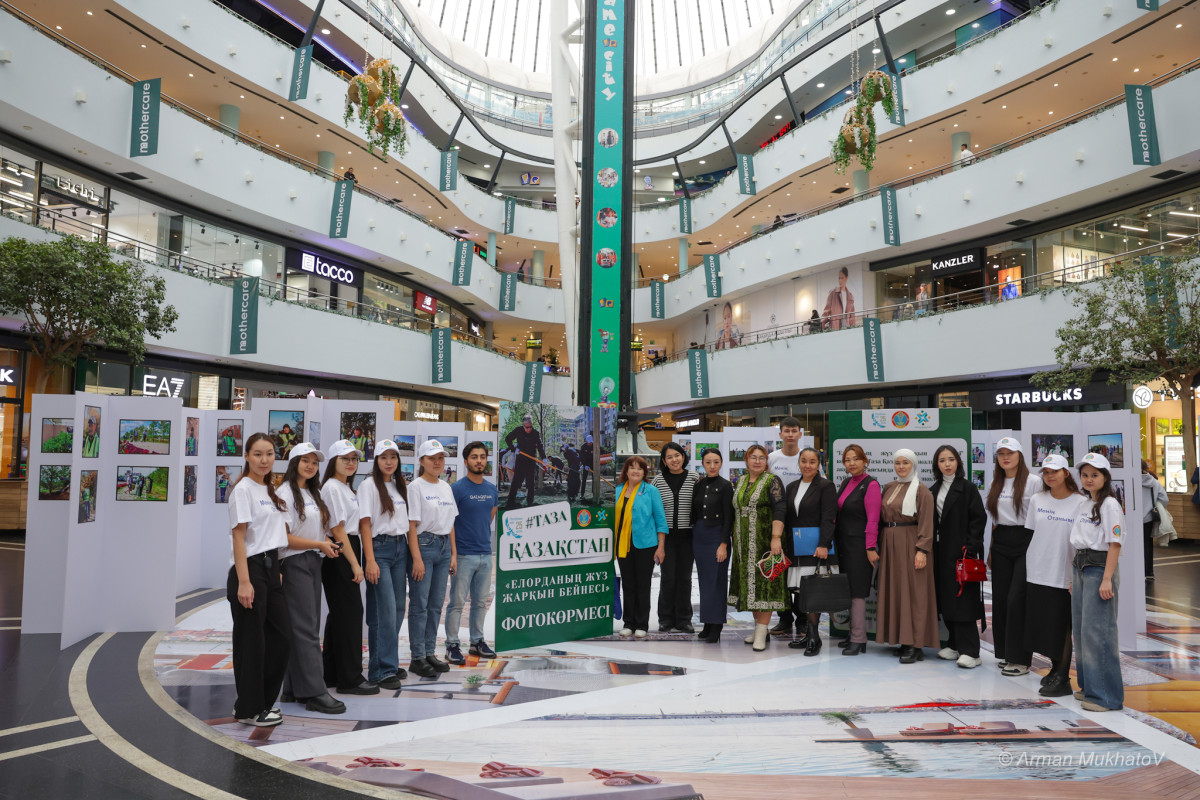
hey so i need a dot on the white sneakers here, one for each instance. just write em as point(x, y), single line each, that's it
point(639, 634)
point(967, 662)
point(948, 654)
point(626, 633)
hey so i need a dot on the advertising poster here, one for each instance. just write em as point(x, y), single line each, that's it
point(554, 531)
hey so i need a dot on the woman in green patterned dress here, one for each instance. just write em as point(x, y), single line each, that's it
point(758, 509)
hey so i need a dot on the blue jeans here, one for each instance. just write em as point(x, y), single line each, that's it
point(475, 574)
point(1094, 628)
point(385, 607)
point(428, 595)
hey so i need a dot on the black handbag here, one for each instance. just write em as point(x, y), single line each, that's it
point(824, 591)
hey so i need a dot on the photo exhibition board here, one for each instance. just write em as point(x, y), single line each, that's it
point(737, 440)
point(452, 435)
point(216, 542)
point(980, 465)
point(1044, 432)
point(286, 421)
point(703, 440)
point(880, 432)
point(363, 422)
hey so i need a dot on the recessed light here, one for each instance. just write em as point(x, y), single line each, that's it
point(1137, 69)
point(242, 96)
point(820, 86)
point(1052, 113)
point(325, 31)
point(89, 13)
point(779, 116)
point(902, 60)
point(1180, 25)
point(143, 47)
point(281, 116)
point(674, 174)
point(1000, 106)
point(1056, 84)
point(974, 24)
point(58, 27)
point(949, 12)
point(1114, 58)
point(190, 75)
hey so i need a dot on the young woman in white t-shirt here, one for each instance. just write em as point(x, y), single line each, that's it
point(254, 587)
point(341, 576)
point(383, 504)
point(308, 546)
point(1008, 504)
point(1046, 626)
point(1097, 536)
point(431, 550)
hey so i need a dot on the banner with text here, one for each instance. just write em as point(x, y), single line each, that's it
point(147, 104)
point(464, 254)
point(698, 372)
point(1143, 132)
point(873, 342)
point(508, 291)
point(658, 297)
point(339, 215)
point(441, 341)
point(891, 216)
point(510, 215)
point(1148, 5)
point(448, 181)
point(685, 215)
point(554, 576)
point(745, 168)
point(532, 393)
point(897, 115)
point(301, 67)
point(243, 328)
point(712, 274)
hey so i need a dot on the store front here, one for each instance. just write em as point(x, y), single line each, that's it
point(1162, 435)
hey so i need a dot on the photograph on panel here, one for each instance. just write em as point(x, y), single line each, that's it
point(144, 437)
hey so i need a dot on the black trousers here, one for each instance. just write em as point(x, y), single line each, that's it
point(260, 637)
point(636, 569)
point(712, 576)
point(1009, 543)
point(525, 470)
point(964, 636)
point(675, 581)
point(342, 655)
point(1148, 542)
point(572, 484)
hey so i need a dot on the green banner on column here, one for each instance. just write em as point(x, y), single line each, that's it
point(1148, 5)
point(448, 180)
point(891, 216)
point(441, 341)
point(508, 291)
point(897, 115)
point(531, 392)
point(464, 254)
point(554, 574)
point(873, 343)
point(712, 274)
point(1143, 132)
point(745, 169)
point(339, 215)
point(658, 299)
point(147, 102)
point(510, 215)
point(608, 223)
point(243, 328)
point(698, 372)
point(685, 215)
point(301, 67)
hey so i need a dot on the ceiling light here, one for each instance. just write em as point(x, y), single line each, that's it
point(1056, 84)
point(404, 105)
point(1134, 228)
point(89, 13)
point(1180, 25)
point(325, 31)
point(848, 91)
point(487, 166)
point(820, 86)
point(143, 46)
point(1184, 214)
point(1137, 69)
point(242, 96)
point(1000, 106)
point(662, 199)
point(1177, 235)
point(779, 116)
point(875, 51)
point(58, 27)
point(949, 12)
point(702, 161)
point(974, 24)
point(1114, 58)
point(902, 60)
point(281, 116)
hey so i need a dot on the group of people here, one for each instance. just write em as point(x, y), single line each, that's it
point(315, 536)
point(1053, 555)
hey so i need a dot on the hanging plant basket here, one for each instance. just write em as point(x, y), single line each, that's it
point(876, 87)
point(850, 141)
point(379, 67)
point(373, 98)
point(364, 86)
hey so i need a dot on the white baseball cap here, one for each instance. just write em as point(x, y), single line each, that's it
point(340, 448)
point(383, 445)
point(1008, 443)
point(1096, 460)
point(432, 447)
point(303, 449)
point(1054, 461)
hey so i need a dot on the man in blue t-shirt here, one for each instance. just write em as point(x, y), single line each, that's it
point(477, 500)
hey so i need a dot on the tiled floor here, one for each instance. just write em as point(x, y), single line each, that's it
point(146, 715)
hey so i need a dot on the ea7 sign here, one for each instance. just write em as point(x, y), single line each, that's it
point(10, 376)
point(161, 386)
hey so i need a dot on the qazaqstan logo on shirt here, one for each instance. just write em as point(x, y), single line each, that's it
point(1116, 531)
point(541, 536)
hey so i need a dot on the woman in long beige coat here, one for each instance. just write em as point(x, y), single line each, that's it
point(907, 597)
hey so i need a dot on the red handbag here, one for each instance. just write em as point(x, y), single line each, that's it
point(969, 570)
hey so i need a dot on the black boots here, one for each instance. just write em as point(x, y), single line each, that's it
point(911, 655)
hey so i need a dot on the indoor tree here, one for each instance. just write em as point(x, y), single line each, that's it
point(1141, 323)
point(73, 296)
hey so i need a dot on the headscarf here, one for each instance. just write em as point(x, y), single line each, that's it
point(909, 507)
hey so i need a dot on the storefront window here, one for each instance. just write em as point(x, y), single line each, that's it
point(10, 417)
point(143, 230)
point(18, 185)
point(387, 301)
point(70, 203)
point(205, 245)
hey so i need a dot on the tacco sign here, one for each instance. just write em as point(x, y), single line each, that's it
point(325, 269)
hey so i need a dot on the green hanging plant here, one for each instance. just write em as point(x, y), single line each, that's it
point(876, 87)
point(374, 99)
point(855, 138)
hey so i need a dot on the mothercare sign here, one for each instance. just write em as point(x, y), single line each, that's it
point(554, 581)
point(147, 100)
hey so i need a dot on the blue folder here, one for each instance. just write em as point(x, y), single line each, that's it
point(806, 540)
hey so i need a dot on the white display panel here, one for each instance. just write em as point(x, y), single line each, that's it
point(980, 464)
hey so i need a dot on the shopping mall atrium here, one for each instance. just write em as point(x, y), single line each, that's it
point(663, 220)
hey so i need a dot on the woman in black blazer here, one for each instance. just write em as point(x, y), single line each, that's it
point(811, 502)
point(959, 520)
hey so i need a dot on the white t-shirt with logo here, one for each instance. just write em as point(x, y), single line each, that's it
point(1048, 559)
point(432, 506)
point(786, 468)
point(265, 524)
point(1005, 514)
point(369, 505)
point(307, 528)
point(1099, 535)
point(343, 505)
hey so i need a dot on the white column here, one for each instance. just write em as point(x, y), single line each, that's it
point(566, 24)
